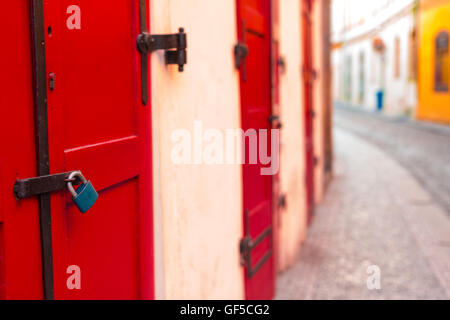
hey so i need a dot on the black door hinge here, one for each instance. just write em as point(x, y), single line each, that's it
point(282, 202)
point(282, 64)
point(247, 245)
point(31, 187)
point(275, 122)
point(174, 44)
point(240, 53)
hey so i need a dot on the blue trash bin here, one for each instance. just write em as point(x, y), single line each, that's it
point(380, 95)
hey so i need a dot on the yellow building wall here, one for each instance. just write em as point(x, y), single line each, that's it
point(434, 17)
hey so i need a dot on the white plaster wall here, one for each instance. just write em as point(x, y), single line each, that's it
point(198, 208)
point(400, 93)
point(293, 218)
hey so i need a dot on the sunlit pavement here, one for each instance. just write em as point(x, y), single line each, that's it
point(375, 213)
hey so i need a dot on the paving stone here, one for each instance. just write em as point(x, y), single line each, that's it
point(422, 147)
point(375, 213)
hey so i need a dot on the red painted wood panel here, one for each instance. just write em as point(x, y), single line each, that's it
point(254, 26)
point(97, 124)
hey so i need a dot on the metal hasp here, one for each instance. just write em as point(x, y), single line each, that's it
point(247, 245)
point(37, 186)
point(175, 46)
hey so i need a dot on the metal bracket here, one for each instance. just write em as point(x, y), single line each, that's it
point(147, 43)
point(282, 201)
point(247, 245)
point(316, 161)
point(32, 187)
point(174, 44)
point(241, 52)
point(42, 145)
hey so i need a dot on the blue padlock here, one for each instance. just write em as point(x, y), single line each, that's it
point(85, 195)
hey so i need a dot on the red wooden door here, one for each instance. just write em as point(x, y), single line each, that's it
point(97, 124)
point(308, 103)
point(255, 81)
point(20, 247)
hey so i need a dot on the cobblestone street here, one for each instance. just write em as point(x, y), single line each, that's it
point(422, 148)
point(379, 210)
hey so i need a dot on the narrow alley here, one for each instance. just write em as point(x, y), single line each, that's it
point(378, 212)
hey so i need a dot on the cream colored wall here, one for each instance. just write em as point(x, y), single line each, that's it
point(293, 219)
point(198, 208)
